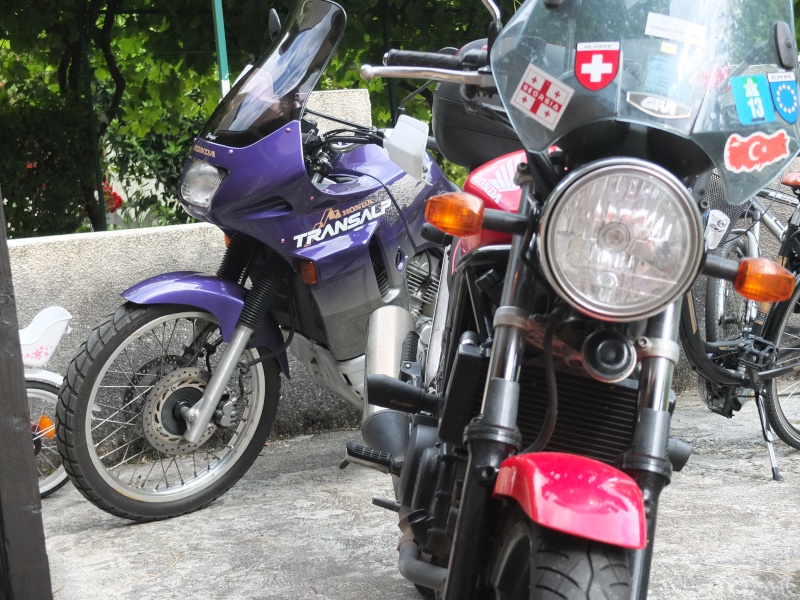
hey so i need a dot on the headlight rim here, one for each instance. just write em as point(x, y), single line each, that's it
point(595, 169)
point(199, 163)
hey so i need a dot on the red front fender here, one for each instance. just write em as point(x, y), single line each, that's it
point(577, 495)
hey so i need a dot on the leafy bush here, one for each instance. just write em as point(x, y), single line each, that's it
point(46, 171)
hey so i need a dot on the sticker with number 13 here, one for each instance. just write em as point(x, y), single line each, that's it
point(752, 97)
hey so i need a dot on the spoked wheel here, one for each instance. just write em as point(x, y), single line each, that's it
point(120, 430)
point(42, 400)
point(726, 310)
point(782, 399)
point(536, 563)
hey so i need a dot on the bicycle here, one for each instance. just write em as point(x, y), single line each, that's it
point(38, 342)
point(756, 357)
point(727, 313)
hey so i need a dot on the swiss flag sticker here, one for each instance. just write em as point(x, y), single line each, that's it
point(596, 64)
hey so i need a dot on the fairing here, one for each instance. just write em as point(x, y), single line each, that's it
point(365, 212)
point(589, 73)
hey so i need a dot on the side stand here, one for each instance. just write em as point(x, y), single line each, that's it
point(767, 431)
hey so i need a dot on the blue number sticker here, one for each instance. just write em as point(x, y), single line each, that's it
point(753, 100)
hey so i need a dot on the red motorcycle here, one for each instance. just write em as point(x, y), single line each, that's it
point(530, 444)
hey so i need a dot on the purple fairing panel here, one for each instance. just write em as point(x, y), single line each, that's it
point(223, 299)
point(268, 195)
point(367, 215)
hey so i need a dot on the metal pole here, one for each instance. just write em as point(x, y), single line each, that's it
point(222, 49)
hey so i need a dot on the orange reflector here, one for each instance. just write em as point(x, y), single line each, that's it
point(45, 427)
point(763, 280)
point(227, 241)
point(308, 272)
point(459, 214)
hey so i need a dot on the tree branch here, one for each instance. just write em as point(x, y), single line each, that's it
point(104, 42)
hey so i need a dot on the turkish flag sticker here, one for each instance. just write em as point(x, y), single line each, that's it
point(596, 64)
point(756, 151)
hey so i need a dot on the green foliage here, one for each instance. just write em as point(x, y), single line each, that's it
point(153, 82)
point(46, 180)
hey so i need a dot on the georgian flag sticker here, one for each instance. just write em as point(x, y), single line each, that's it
point(783, 88)
point(542, 97)
point(596, 64)
point(756, 151)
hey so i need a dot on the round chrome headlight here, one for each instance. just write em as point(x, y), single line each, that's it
point(620, 239)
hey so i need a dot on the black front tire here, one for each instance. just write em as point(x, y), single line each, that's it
point(536, 563)
point(118, 430)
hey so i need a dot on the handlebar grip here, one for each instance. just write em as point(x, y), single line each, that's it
point(410, 58)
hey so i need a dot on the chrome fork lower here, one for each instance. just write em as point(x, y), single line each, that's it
point(198, 416)
point(647, 461)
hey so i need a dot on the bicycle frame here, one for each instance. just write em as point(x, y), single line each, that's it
point(753, 352)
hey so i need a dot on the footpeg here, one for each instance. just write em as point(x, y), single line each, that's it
point(387, 503)
point(370, 458)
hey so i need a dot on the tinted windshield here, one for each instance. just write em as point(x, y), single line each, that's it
point(706, 70)
point(275, 90)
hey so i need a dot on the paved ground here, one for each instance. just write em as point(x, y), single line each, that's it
point(296, 527)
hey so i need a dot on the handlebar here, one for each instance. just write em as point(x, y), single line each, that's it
point(467, 77)
point(433, 60)
point(470, 60)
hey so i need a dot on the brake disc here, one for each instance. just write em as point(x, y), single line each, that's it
point(161, 420)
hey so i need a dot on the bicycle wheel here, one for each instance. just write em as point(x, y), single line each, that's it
point(726, 310)
point(119, 428)
point(42, 400)
point(782, 399)
point(536, 563)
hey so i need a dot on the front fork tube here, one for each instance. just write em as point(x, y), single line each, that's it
point(647, 460)
point(492, 436)
point(198, 416)
point(267, 280)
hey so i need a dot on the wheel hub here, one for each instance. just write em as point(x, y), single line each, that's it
point(161, 420)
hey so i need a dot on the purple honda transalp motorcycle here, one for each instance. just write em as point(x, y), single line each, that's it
point(172, 397)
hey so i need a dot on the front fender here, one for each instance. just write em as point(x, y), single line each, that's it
point(222, 298)
point(576, 495)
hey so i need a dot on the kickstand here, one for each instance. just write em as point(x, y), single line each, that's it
point(767, 431)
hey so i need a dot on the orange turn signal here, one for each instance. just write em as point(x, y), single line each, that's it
point(45, 427)
point(459, 214)
point(308, 272)
point(763, 280)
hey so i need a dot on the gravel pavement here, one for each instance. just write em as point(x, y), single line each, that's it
point(297, 527)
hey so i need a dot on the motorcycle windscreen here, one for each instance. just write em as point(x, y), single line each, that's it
point(705, 70)
point(275, 90)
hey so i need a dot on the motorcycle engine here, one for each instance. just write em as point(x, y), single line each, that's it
point(422, 283)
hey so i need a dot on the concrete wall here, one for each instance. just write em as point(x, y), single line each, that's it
point(85, 273)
